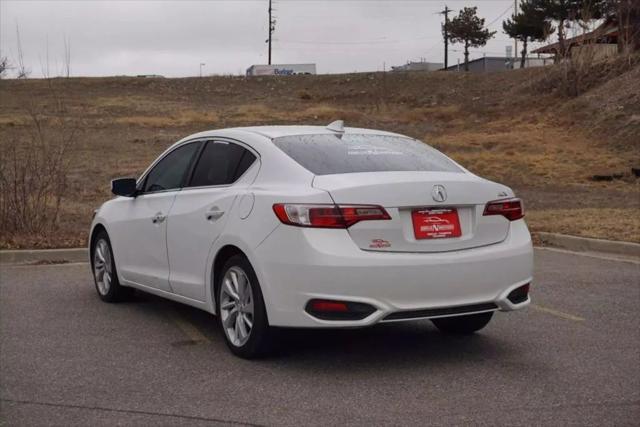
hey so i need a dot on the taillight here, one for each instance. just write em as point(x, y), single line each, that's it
point(327, 216)
point(509, 208)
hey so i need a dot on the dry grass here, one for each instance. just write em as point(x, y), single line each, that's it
point(179, 119)
point(14, 120)
point(445, 114)
point(252, 114)
point(524, 152)
point(603, 223)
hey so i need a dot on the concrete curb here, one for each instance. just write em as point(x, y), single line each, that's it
point(586, 244)
point(43, 255)
point(571, 243)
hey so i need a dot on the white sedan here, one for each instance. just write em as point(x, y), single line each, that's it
point(314, 227)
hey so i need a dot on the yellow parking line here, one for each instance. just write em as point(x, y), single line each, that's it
point(188, 328)
point(557, 313)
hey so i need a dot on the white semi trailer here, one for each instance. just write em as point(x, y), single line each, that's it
point(281, 69)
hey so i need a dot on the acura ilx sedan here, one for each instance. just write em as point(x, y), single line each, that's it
point(313, 227)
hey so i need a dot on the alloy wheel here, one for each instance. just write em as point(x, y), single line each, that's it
point(236, 306)
point(102, 266)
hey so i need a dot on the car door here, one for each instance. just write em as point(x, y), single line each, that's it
point(200, 212)
point(140, 238)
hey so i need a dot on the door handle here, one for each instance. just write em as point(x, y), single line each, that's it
point(213, 214)
point(158, 218)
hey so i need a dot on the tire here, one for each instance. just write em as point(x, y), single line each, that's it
point(463, 325)
point(241, 312)
point(105, 275)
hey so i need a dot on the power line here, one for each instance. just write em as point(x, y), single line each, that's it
point(500, 16)
point(512, 6)
point(358, 42)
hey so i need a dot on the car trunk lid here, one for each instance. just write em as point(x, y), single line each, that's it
point(423, 207)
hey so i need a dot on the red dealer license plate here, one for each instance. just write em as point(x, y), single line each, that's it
point(435, 223)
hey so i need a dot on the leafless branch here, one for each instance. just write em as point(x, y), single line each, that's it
point(67, 57)
point(23, 71)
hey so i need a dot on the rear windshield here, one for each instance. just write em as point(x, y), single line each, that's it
point(327, 154)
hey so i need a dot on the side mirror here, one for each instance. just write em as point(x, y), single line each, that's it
point(124, 187)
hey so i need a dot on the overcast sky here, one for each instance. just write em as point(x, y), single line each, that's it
point(173, 37)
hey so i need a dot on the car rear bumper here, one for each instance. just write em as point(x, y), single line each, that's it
point(296, 265)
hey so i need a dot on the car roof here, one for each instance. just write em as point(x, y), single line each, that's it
point(272, 132)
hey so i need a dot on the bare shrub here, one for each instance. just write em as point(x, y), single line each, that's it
point(5, 66)
point(576, 70)
point(628, 18)
point(34, 172)
point(581, 72)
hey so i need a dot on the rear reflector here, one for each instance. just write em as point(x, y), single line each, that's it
point(322, 305)
point(327, 216)
point(509, 208)
point(338, 310)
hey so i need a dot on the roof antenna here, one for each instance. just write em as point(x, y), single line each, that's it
point(337, 126)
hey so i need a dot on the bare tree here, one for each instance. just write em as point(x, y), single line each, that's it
point(67, 57)
point(23, 71)
point(44, 65)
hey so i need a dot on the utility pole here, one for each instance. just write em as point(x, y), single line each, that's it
point(271, 28)
point(445, 12)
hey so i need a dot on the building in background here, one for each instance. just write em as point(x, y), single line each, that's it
point(605, 41)
point(491, 64)
point(419, 66)
point(281, 69)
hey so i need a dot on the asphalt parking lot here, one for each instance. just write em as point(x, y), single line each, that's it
point(572, 358)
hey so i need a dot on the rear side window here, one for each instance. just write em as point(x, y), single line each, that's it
point(221, 163)
point(170, 172)
point(327, 154)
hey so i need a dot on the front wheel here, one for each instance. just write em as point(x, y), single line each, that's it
point(241, 311)
point(105, 274)
point(463, 325)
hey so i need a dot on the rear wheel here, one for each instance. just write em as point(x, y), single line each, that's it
point(463, 325)
point(105, 275)
point(241, 311)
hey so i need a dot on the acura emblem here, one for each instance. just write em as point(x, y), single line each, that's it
point(438, 193)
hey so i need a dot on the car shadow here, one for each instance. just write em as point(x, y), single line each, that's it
point(399, 344)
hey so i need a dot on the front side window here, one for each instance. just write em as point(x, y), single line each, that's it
point(221, 163)
point(169, 173)
point(325, 154)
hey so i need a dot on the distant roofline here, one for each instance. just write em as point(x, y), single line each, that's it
point(279, 65)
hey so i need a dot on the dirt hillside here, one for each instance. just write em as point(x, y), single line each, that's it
point(515, 127)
